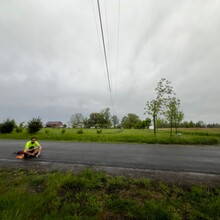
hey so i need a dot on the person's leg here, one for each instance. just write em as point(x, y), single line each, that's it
point(36, 151)
point(29, 154)
point(33, 152)
point(26, 155)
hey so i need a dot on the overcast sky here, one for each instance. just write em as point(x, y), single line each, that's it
point(52, 61)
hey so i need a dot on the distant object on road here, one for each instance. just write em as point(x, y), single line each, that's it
point(54, 124)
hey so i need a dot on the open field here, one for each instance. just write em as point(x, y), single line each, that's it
point(31, 194)
point(185, 136)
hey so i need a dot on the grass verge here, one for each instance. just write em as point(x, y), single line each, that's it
point(122, 136)
point(31, 194)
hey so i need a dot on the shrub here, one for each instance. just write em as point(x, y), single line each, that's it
point(63, 131)
point(19, 128)
point(7, 126)
point(80, 131)
point(99, 131)
point(34, 125)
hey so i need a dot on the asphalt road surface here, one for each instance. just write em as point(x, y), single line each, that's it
point(177, 158)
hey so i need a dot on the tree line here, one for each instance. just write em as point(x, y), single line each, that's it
point(163, 112)
point(9, 125)
point(104, 119)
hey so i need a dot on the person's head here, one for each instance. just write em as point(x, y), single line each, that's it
point(33, 139)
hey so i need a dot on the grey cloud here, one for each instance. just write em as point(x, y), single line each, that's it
point(51, 64)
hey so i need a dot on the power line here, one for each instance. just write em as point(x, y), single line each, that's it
point(107, 37)
point(118, 35)
point(96, 24)
point(105, 54)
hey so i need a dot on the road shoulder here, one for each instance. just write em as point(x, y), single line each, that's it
point(170, 177)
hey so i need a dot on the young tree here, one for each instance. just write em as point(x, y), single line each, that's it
point(76, 120)
point(115, 120)
point(178, 119)
point(155, 107)
point(173, 115)
point(147, 123)
point(106, 117)
point(34, 125)
point(170, 114)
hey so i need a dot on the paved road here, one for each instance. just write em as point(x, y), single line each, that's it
point(197, 159)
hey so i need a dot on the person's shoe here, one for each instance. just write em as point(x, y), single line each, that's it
point(20, 156)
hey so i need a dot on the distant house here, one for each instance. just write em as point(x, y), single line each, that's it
point(54, 124)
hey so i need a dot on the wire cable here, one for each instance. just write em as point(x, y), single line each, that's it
point(107, 38)
point(118, 38)
point(97, 30)
point(105, 54)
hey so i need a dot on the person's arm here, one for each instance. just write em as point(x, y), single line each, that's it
point(28, 152)
point(40, 149)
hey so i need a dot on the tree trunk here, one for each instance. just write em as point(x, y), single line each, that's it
point(171, 125)
point(154, 122)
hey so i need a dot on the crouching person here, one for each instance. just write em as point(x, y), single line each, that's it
point(32, 148)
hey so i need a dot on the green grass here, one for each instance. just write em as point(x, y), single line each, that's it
point(121, 136)
point(29, 194)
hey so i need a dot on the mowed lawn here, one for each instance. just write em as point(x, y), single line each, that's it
point(184, 136)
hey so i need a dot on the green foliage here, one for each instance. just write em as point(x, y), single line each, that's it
point(94, 119)
point(153, 109)
point(102, 119)
point(99, 131)
point(130, 121)
point(115, 120)
point(173, 115)
point(211, 137)
point(80, 131)
point(76, 120)
point(7, 126)
point(19, 128)
point(96, 195)
point(63, 131)
point(164, 104)
point(106, 118)
point(34, 125)
point(143, 124)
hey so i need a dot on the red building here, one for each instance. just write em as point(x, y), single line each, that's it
point(54, 124)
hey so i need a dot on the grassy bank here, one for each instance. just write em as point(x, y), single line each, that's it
point(28, 194)
point(210, 137)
